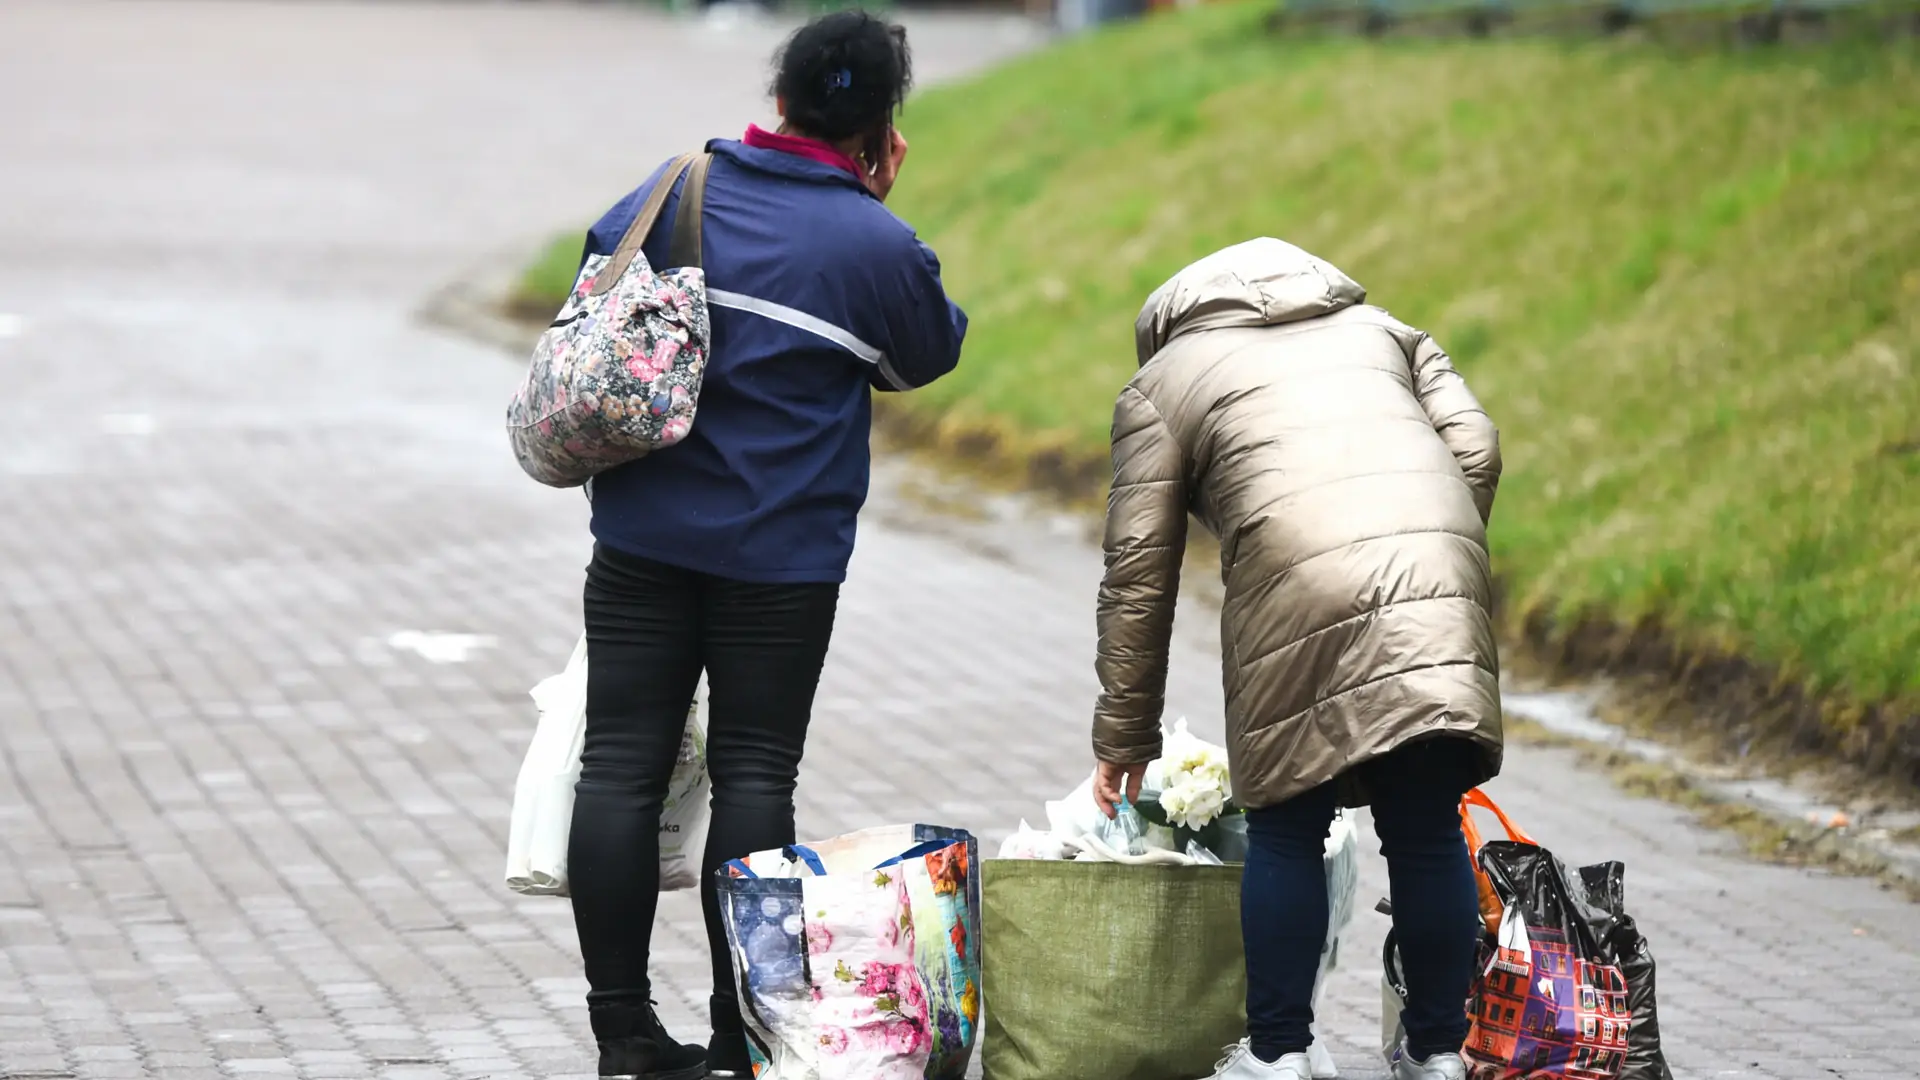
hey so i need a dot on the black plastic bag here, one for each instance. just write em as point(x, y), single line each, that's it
point(1605, 887)
point(1568, 987)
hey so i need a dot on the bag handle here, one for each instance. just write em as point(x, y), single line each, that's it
point(649, 215)
point(684, 249)
point(1492, 911)
point(803, 854)
point(1390, 966)
point(918, 851)
point(1481, 799)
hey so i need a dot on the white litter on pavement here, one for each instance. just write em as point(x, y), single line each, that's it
point(12, 325)
point(441, 648)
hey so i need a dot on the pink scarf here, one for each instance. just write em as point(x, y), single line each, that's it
point(811, 149)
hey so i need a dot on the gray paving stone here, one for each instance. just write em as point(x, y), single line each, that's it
point(103, 1053)
point(176, 1059)
point(108, 1070)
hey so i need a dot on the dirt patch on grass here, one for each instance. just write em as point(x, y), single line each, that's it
point(995, 452)
point(1743, 706)
point(1764, 836)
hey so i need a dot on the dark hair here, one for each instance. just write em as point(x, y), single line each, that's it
point(843, 75)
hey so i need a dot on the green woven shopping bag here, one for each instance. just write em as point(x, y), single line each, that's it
point(1099, 971)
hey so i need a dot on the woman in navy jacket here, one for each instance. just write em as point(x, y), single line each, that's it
point(725, 553)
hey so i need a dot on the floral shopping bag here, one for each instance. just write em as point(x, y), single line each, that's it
point(825, 971)
point(618, 373)
point(938, 865)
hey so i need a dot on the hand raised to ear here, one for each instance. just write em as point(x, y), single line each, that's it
point(880, 180)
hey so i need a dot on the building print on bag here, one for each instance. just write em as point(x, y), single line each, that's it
point(1544, 1012)
point(1600, 1049)
point(1502, 998)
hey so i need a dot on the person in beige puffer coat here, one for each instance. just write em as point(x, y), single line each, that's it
point(1348, 473)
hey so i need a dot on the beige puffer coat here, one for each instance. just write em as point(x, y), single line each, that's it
point(1348, 473)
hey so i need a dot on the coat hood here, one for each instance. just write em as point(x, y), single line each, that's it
point(1261, 282)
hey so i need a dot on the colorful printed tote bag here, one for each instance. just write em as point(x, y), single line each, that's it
point(617, 375)
point(825, 970)
point(944, 888)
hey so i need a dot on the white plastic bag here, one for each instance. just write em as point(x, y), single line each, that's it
point(685, 814)
point(543, 793)
point(1343, 887)
point(1076, 815)
point(1031, 843)
point(1343, 878)
point(1093, 848)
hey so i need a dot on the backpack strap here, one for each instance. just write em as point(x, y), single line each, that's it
point(643, 223)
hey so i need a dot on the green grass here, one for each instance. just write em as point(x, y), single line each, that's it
point(546, 281)
point(1685, 283)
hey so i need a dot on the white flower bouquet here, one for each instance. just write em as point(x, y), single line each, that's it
point(1185, 807)
point(1190, 791)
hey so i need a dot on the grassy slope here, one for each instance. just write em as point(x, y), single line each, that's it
point(1687, 286)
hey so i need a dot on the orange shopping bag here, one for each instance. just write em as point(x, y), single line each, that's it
point(1490, 905)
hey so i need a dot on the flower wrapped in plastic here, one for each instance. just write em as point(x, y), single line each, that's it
point(1188, 792)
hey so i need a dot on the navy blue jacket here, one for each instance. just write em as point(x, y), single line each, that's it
point(818, 294)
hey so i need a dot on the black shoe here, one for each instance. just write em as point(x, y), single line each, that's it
point(651, 1053)
point(727, 1056)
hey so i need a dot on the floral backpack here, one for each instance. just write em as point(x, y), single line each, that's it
point(617, 375)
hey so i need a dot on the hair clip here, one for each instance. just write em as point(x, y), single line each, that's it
point(840, 80)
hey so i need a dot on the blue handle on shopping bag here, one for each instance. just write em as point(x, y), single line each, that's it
point(740, 865)
point(805, 854)
point(918, 851)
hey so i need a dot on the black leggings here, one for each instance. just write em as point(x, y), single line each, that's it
point(651, 630)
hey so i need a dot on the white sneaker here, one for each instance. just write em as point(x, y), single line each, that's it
point(1437, 1067)
point(1240, 1064)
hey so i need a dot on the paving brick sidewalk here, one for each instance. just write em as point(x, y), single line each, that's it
point(242, 832)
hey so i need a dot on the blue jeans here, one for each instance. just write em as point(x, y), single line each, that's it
point(1283, 907)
